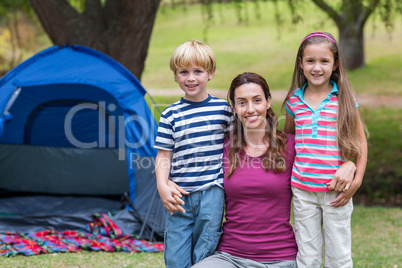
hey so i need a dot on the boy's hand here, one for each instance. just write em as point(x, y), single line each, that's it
point(177, 187)
point(170, 195)
point(343, 177)
point(170, 198)
point(177, 196)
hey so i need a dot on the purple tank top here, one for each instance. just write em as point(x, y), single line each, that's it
point(258, 210)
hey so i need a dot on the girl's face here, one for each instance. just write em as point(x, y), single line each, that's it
point(251, 106)
point(317, 65)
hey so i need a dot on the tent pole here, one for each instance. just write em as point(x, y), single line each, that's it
point(156, 216)
point(152, 99)
point(135, 212)
point(149, 210)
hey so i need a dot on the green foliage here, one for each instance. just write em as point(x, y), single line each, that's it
point(11, 14)
point(79, 5)
point(7, 7)
point(349, 16)
point(10, 6)
point(382, 182)
point(256, 47)
point(386, 9)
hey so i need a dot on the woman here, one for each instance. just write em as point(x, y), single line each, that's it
point(258, 161)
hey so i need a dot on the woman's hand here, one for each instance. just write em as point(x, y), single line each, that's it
point(343, 177)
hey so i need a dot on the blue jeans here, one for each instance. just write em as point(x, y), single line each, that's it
point(194, 235)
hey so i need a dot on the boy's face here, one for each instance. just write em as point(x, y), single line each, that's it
point(193, 81)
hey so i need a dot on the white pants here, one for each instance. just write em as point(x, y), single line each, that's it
point(316, 220)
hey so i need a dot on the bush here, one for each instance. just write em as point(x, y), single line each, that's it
point(382, 182)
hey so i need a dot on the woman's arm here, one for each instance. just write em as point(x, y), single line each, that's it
point(343, 177)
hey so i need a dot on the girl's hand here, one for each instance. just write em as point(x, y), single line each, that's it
point(342, 199)
point(343, 177)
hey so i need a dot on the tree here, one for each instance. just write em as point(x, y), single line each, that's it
point(122, 28)
point(350, 17)
point(119, 28)
point(9, 17)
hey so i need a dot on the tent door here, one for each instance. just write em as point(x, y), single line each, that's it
point(55, 123)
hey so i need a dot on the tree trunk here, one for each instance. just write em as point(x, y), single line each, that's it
point(351, 42)
point(350, 20)
point(121, 28)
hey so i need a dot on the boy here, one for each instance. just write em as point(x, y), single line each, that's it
point(190, 148)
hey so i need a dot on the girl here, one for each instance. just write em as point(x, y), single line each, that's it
point(323, 114)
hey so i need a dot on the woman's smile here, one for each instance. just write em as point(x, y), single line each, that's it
point(252, 118)
point(251, 105)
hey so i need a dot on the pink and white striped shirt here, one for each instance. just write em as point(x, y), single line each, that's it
point(317, 154)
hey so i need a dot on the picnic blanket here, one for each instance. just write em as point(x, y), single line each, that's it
point(101, 234)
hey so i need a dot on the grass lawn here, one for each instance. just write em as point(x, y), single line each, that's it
point(376, 236)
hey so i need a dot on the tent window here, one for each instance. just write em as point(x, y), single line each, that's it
point(55, 123)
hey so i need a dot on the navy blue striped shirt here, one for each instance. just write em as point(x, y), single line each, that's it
point(194, 131)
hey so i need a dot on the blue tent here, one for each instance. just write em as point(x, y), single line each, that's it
point(74, 124)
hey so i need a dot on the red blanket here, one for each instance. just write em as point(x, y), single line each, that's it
point(101, 234)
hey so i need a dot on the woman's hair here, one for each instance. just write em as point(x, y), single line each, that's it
point(347, 136)
point(273, 158)
point(193, 52)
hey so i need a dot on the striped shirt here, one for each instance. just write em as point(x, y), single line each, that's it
point(317, 154)
point(194, 131)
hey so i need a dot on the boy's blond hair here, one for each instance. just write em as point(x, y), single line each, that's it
point(193, 52)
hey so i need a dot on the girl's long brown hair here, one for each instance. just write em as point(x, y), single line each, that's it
point(348, 119)
point(274, 157)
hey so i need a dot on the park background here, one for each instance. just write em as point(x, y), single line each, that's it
point(259, 44)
